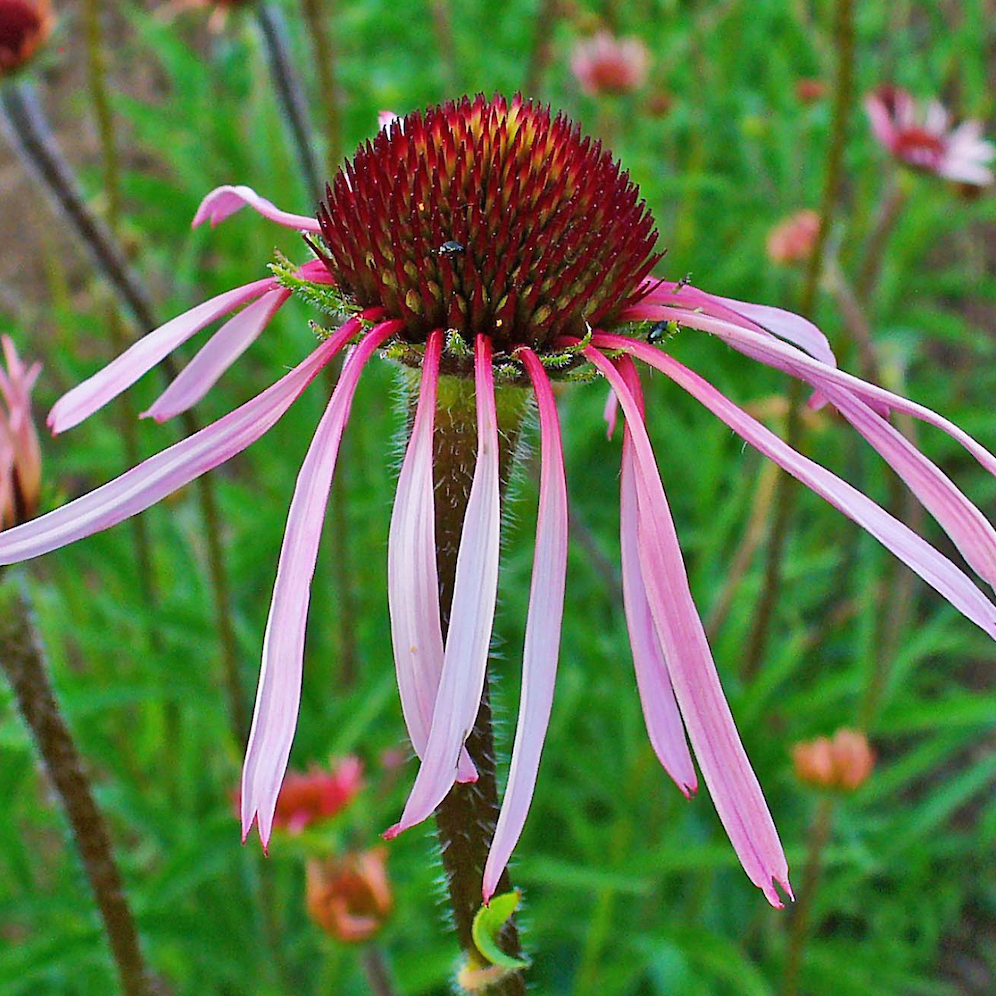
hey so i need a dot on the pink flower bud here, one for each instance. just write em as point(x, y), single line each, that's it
point(843, 763)
point(605, 64)
point(792, 239)
point(350, 897)
point(20, 455)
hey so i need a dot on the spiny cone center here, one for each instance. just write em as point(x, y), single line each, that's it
point(488, 216)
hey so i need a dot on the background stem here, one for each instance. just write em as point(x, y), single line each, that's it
point(785, 490)
point(289, 94)
point(22, 661)
point(29, 133)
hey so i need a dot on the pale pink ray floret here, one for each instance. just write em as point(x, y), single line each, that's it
point(440, 680)
point(921, 136)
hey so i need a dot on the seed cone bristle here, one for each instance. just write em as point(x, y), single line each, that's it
point(488, 216)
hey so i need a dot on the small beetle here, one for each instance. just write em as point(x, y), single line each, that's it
point(450, 248)
point(660, 330)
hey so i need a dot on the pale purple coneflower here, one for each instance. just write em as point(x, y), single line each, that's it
point(487, 243)
point(922, 137)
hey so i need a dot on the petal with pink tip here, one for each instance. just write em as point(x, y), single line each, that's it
point(84, 399)
point(914, 551)
point(412, 579)
point(222, 202)
point(279, 693)
point(660, 710)
point(162, 474)
point(732, 783)
point(216, 356)
point(542, 643)
point(967, 527)
point(776, 354)
point(475, 589)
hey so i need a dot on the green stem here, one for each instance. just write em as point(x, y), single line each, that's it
point(785, 490)
point(466, 817)
point(125, 410)
point(819, 834)
point(542, 53)
point(289, 93)
point(316, 16)
point(23, 662)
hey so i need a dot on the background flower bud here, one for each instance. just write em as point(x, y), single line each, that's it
point(350, 897)
point(792, 239)
point(843, 763)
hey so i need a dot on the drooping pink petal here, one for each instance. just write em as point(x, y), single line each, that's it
point(84, 399)
point(542, 643)
point(224, 201)
point(914, 551)
point(967, 527)
point(412, 579)
point(761, 317)
point(782, 357)
point(475, 589)
point(734, 787)
point(216, 356)
point(174, 467)
point(278, 695)
point(660, 710)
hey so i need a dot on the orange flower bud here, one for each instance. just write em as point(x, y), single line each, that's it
point(350, 897)
point(20, 455)
point(843, 763)
point(24, 25)
point(792, 240)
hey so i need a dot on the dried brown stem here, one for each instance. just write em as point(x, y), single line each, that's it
point(23, 662)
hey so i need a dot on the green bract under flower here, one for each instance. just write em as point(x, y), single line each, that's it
point(488, 217)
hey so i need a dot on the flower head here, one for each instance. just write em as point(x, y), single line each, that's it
point(793, 238)
point(309, 797)
point(350, 897)
point(922, 137)
point(20, 456)
point(606, 64)
point(842, 763)
point(24, 26)
point(487, 243)
point(507, 224)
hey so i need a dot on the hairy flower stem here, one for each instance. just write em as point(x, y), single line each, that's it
point(316, 16)
point(785, 490)
point(289, 94)
point(466, 817)
point(28, 131)
point(23, 662)
point(819, 834)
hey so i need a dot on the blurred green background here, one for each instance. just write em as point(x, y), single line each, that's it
point(628, 888)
